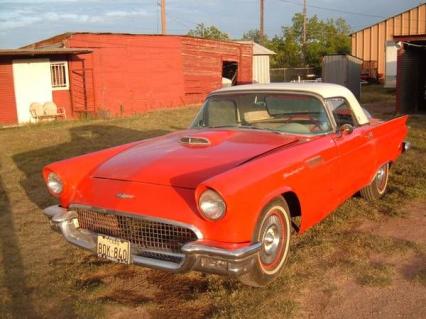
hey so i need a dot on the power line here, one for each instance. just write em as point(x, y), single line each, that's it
point(179, 21)
point(333, 9)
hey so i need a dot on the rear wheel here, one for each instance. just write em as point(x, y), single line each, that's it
point(378, 186)
point(273, 232)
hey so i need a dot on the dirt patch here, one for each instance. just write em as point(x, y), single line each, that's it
point(411, 226)
point(402, 294)
point(347, 299)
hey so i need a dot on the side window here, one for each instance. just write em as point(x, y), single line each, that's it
point(342, 112)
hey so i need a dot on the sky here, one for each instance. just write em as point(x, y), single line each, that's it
point(25, 21)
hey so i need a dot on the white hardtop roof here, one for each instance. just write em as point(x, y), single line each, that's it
point(325, 90)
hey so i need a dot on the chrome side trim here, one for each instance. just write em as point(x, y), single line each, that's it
point(197, 232)
point(314, 161)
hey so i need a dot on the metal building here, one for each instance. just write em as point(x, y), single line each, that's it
point(398, 46)
point(343, 69)
point(261, 62)
point(376, 44)
point(116, 74)
point(411, 74)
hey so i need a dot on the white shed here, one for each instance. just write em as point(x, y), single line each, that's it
point(261, 66)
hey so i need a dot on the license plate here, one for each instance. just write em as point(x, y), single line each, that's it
point(113, 249)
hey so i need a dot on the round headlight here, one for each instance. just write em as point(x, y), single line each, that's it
point(54, 184)
point(211, 204)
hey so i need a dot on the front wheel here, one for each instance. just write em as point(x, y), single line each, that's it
point(273, 232)
point(378, 186)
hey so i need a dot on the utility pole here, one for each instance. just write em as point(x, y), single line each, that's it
point(304, 22)
point(163, 17)
point(261, 27)
point(304, 32)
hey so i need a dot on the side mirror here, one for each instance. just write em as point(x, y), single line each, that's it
point(346, 129)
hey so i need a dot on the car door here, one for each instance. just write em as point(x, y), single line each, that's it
point(355, 150)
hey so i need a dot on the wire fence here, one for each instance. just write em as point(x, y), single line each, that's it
point(293, 74)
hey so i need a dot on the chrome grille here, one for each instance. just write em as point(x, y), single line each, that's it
point(142, 233)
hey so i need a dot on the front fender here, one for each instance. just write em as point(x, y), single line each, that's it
point(73, 170)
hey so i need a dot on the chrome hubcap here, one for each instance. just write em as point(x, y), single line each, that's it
point(381, 178)
point(380, 174)
point(271, 240)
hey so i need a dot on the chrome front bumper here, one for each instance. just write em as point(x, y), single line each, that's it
point(199, 255)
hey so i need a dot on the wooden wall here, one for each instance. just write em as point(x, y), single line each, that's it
point(369, 43)
point(202, 65)
point(129, 74)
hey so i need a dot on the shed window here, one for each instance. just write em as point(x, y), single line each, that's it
point(59, 75)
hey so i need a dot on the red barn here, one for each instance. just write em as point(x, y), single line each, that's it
point(116, 74)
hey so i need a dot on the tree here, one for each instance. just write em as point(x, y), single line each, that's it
point(322, 38)
point(208, 32)
point(287, 50)
point(254, 35)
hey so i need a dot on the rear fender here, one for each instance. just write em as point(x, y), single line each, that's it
point(389, 137)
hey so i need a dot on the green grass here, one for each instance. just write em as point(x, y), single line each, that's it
point(372, 93)
point(42, 276)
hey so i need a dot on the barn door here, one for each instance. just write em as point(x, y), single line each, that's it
point(82, 91)
point(31, 79)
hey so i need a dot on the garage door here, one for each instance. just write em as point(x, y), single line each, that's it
point(32, 83)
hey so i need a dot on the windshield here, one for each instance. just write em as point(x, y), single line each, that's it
point(287, 113)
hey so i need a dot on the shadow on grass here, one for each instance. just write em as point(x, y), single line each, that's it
point(18, 301)
point(161, 294)
point(84, 139)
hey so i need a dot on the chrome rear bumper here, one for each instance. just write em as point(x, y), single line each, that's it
point(199, 255)
point(406, 146)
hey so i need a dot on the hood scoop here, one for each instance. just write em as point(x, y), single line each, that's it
point(195, 140)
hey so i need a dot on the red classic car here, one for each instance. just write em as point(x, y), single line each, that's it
point(221, 196)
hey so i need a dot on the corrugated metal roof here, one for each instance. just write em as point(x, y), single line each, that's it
point(34, 52)
point(258, 49)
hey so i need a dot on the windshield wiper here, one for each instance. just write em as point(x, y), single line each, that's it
point(250, 127)
point(222, 126)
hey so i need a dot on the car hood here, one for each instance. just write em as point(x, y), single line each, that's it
point(186, 158)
